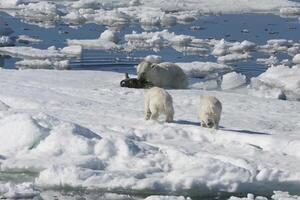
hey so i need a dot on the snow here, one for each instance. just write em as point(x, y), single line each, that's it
point(80, 129)
point(233, 80)
point(281, 79)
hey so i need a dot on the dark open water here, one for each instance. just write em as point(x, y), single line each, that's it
point(261, 27)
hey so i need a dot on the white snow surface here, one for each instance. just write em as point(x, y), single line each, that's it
point(80, 129)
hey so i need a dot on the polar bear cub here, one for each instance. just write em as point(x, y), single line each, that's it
point(158, 101)
point(165, 75)
point(210, 111)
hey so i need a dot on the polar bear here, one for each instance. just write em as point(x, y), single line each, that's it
point(158, 101)
point(210, 111)
point(165, 74)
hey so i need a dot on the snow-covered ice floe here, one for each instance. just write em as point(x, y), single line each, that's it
point(233, 80)
point(18, 191)
point(147, 13)
point(107, 41)
point(281, 82)
point(42, 58)
point(80, 129)
point(277, 195)
point(204, 69)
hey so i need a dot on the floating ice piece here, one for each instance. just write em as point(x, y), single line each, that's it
point(74, 18)
point(276, 45)
point(221, 48)
point(106, 41)
point(28, 39)
point(296, 59)
point(10, 3)
point(110, 36)
point(203, 69)
point(243, 46)
point(94, 4)
point(234, 57)
point(272, 60)
point(153, 59)
point(19, 191)
point(290, 11)
point(42, 64)
point(156, 40)
point(33, 53)
point(278, 195)
point(109, 17)
point(156, 197)
point(282, 81)
point(43, 11)
point(233, 80)
point(72, 50)
point(6, 41)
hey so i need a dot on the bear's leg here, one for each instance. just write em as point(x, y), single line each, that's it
point(147, 110)
point(155, 114)
point(216, 124)
point(148, 114)
point(169, 116)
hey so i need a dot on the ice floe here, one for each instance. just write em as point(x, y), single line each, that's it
point(277, 195)
point(18, 191)
point(203, 69)
point(108, 145)
point(278, 82)
point(233, 80)
point(106, 41)
point(234, 57)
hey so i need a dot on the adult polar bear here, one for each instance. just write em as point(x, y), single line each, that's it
point(165, 74)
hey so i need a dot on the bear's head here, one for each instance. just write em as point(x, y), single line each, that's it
point(144, 68)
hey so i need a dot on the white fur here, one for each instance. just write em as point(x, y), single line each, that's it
point(165, 75)
point(158, 101)
point(210, 111)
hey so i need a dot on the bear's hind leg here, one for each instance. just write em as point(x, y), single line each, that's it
point(154, 114)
